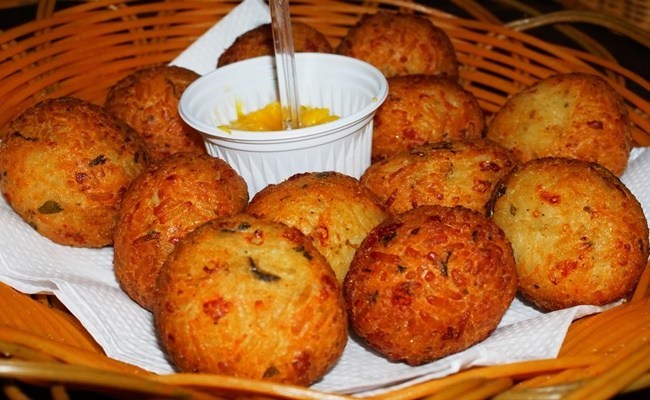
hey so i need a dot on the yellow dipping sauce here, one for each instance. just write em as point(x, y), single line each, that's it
point(269, 118)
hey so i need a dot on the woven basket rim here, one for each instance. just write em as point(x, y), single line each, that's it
point(487, 51)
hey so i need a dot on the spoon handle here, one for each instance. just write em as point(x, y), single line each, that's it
point(285, 63)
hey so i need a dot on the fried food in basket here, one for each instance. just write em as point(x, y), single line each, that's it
point(430, 282)
point(65, 164)
point(401, 44)
point(250, 298)
point(458, 172)
point(331, 208)
point(579, 235)
point(162, 205)
point(574, 115)
point(423, 109)
point(147, 99)
point(259, 42)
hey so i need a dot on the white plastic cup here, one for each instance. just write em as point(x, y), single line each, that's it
point(348, 87)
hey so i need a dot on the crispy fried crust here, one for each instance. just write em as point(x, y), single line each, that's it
point(579, 235)
point(162, 205)
point(457, 172)
point(64, 167)
point(259, 42)
point(430, 282)
point(333, 209)
point(574, 115)
point(401, 44)
point(251, 298)
point(147, 99)
point(423, 109)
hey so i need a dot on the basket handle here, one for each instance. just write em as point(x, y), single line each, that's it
point(539, 19)
point(571, 16)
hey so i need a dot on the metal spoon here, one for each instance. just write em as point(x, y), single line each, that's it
point(285, 63)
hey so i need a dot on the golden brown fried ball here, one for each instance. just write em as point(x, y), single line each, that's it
point(401, 44)
point(578, 234)
point(250, 298)
point(64, 166)
point(574, 115)
point(458, 172)
point(259, 42)
point(331, 208)
point(147, 99)
point(423, 109)
point(430, 282)
point(162, 205)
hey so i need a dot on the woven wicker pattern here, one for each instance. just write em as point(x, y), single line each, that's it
point(43, 351)
point(635, 11)
point(83, 50)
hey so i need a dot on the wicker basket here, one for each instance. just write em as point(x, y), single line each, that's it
point(635, 11)
point(83, 50)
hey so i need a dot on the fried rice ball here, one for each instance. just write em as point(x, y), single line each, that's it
point(259, 42)
point(65, 164)
point(401, 44)
point(430, 282)
point(331, 208)
point(579, 235)
point(250, 298)
point(147, 99)
point(422, 109)
point(573, 115)
point(162, 205)
point(458, 172)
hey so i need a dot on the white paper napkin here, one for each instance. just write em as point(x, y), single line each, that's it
point(202, 55)
point(83, 280)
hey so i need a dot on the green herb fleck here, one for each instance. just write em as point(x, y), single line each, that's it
point(271, 371)
point(150, 235)
point(21, 136)
point(241, 227)
point(99, 160)
point(244, 226)
point(261, 274)
point(445, 264)
point(305, 253)
point(50, 207)
point(387, 236)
